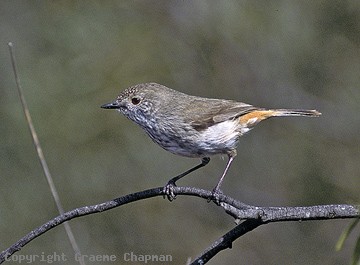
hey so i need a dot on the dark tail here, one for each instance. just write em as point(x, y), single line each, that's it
point(294, 112)
point(254, 117)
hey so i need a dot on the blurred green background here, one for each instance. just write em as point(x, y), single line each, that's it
point(74, 56)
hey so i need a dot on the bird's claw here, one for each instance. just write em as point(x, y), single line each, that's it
point(168, 191)
point(215, 196)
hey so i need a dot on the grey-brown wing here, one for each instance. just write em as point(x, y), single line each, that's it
point(203, 113)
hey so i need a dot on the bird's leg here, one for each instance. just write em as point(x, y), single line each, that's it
point(169, 187)
point(216, 191)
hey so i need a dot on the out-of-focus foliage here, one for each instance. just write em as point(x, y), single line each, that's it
point(74, 56)
point(345, 234)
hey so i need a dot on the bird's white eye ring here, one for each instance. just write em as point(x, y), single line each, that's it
point(135, 100)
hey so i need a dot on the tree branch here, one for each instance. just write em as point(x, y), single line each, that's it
point(255, 216)
point(267, 215)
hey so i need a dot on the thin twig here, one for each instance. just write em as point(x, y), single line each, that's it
point(40, 153)
point(226, 240)
point(264, 215)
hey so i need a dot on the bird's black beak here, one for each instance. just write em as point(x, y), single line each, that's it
point(112, 105)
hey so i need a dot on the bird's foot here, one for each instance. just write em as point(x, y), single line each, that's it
point(168, 190)
point(215, 196)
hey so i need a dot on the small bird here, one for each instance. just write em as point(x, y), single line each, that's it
point(193, 126)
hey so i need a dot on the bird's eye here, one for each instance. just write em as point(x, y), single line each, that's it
point(135, 100)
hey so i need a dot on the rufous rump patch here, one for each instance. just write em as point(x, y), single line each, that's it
point(254, 117)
